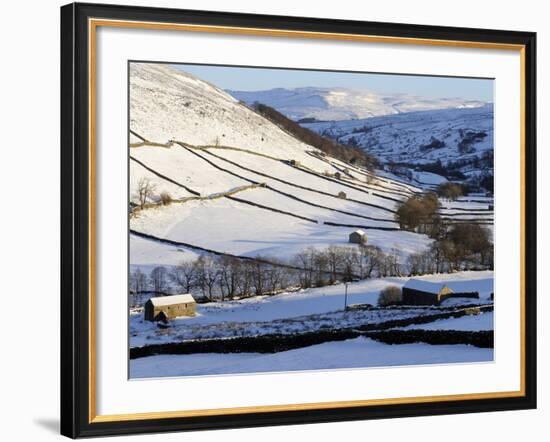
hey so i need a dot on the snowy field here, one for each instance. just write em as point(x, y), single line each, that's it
point(354, 353)
point(311, 310)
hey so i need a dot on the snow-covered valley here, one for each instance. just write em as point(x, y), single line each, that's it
point(408, 130)
point(449, 135)
point(210, 177)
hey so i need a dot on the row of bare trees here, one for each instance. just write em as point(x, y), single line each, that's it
point(215, 278)
point(465, 246)
point(226, 277)
point(319, 267)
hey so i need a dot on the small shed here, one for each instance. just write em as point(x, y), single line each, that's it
point(418, 292)
point(358, 237)
point(168, 307)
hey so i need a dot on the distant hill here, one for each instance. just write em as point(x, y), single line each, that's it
point(334, 104)
point(461, 140)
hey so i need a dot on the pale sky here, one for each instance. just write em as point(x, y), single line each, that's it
point(254, 79)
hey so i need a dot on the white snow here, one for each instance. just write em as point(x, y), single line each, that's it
point(354, 353)
point(161, 301)
point(138, 172)
point(231, 227)
point(147, 254)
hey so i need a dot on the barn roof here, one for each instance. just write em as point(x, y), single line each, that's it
point(425, 286)
point(171, 300)
point(360, 232)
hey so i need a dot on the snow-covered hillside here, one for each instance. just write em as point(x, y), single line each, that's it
point(448, 135)
point(333, 104)
point(166, 104)
point(241, 185)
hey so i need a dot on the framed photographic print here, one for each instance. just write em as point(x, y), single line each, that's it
point(279, 220)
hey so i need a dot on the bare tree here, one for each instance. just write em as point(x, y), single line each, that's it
point(230, 273)
point(320, 265)
point(145, 190)
point(207, 274)
point(371, 257)
point(333, 256)
point(350, 262)
point(246, 278)
point(276, 277)
point(259, 275)
point(138, 281)
point(184, 275)
point(304, 260)
point(159, 279)
point(394, 262)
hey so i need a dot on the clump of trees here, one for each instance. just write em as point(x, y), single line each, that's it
point(419, 214)
point(461, 247)
point(450, 190)
point(345, 152)
point(468, 139)
point(433, 144)
point(391, 295)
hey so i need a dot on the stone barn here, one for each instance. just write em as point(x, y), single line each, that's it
point(169, 307)
point(358, 237)
point(418, 292)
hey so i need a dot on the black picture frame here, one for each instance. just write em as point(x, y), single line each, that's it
point(75, 221)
